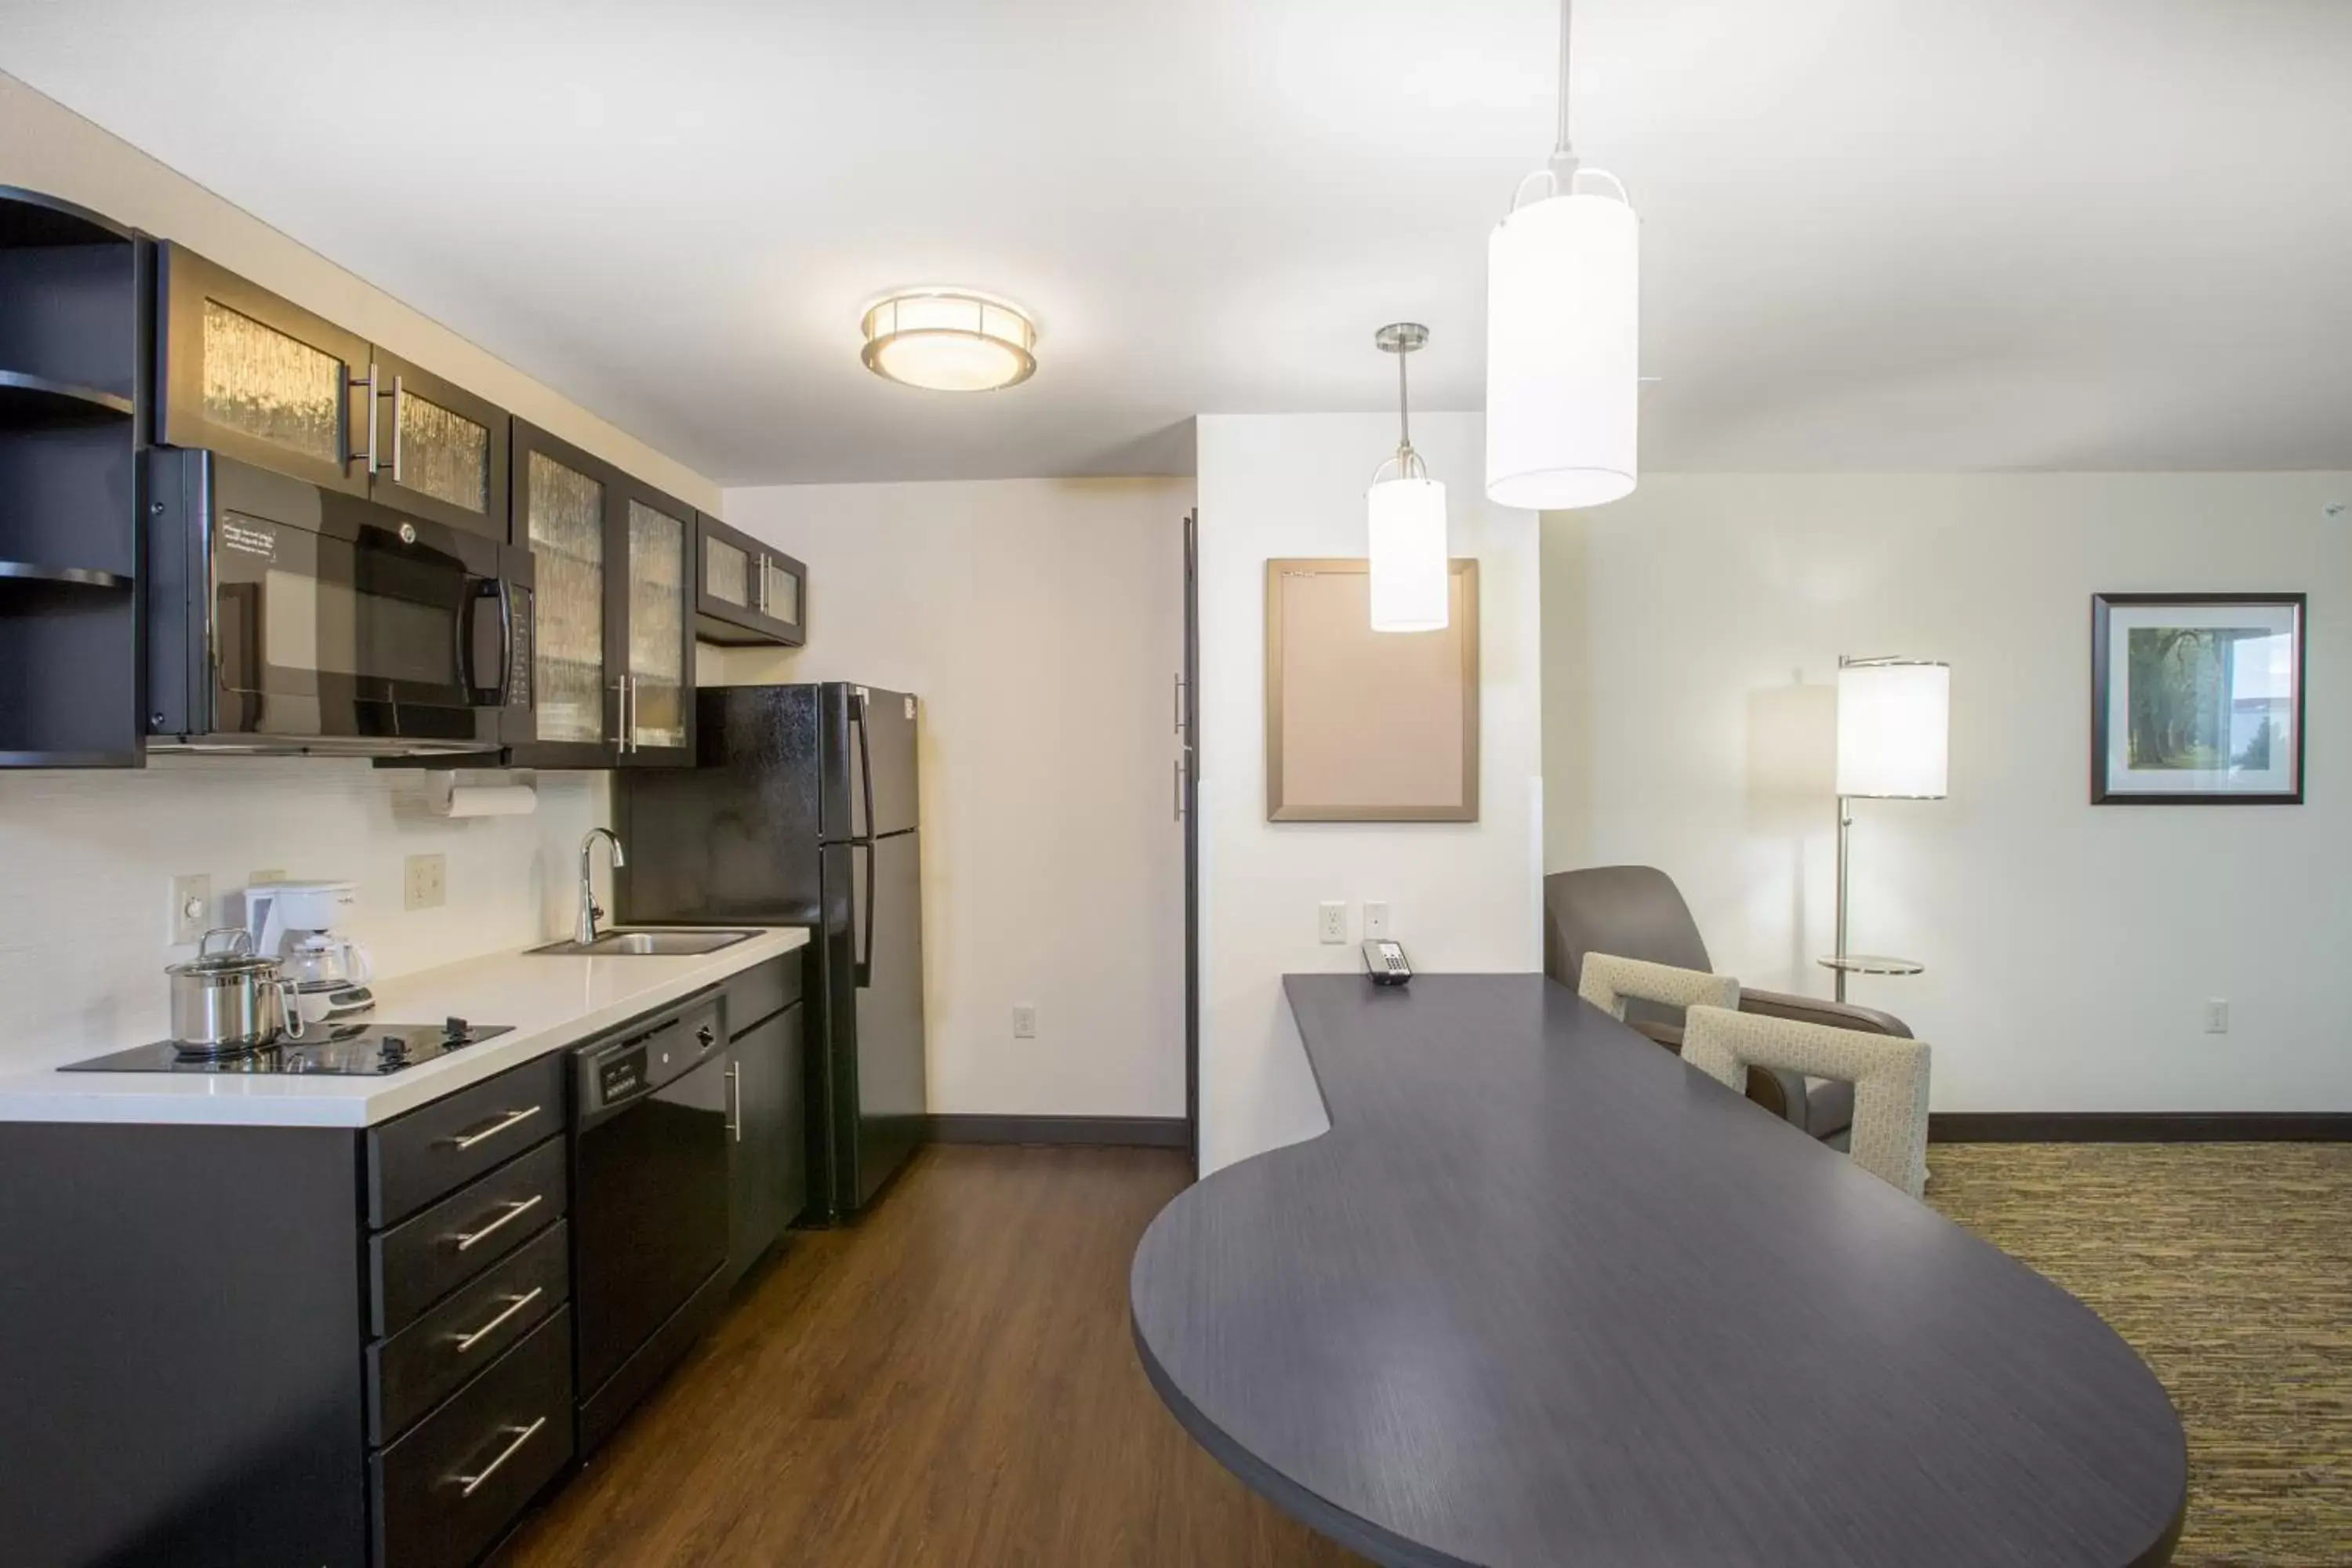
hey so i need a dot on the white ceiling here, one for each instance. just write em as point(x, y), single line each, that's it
point(1948, 234)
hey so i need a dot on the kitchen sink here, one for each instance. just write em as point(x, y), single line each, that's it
point(646, 944)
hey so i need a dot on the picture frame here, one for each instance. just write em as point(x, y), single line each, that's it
point(2197, 698)
point(1366, 726)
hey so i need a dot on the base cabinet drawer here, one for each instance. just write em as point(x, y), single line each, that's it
point(415, 1370)
point(413, 1159)
point(441, 1495)
point(423, 1259)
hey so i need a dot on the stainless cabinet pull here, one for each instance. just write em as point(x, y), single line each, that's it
point(514, 1304)
point(511, 1119)
point(1179, 789)
point(629, 712)
point(468, 1485)
point(759, 584)
point(735, 1100)
point(367, 456)
point(1180, 704)
point(398, 392)
point(514, 1211)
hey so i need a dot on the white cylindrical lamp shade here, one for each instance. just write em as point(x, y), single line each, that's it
point(1895, 731)
point(1563, 352)
point(1406, 520)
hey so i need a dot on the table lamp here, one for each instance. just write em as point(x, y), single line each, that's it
point(1893, 742)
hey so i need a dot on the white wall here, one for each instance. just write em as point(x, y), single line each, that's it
point(46, 147)
point(1691, 637)
point(1464, 896)
point(88, 859)
point(1041, 623)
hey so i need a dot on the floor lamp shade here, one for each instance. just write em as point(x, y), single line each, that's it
point(1410, 588)
point(1894, 730)
point(1563, 350)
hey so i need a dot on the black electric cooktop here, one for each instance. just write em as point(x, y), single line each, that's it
point(334, 1050)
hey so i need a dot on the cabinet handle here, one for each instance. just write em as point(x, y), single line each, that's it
point(1180, 704)
point(491, 1129)
point(468, 1485)
point(367, 455)
point(514, 1211)
point(514, 1304)
point(735, 1101)
point(759, 584)
point(398, 393)
point(1179, 789)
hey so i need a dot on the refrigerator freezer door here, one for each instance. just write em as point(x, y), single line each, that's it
point(889, 741)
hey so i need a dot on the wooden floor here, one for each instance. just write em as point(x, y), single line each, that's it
point(951, 1382)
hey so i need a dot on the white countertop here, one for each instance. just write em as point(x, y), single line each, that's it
point(551, 1003)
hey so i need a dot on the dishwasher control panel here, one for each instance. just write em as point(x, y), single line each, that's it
point(613, 1072)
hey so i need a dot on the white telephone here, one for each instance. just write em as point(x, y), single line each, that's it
point(1384, 960)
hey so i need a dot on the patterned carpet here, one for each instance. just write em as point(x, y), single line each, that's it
point(2229, 1267)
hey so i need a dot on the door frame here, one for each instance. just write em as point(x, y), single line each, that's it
point(1187, 806)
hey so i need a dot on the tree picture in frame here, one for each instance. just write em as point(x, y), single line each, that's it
point(2197, 698)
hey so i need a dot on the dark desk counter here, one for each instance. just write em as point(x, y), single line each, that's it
point(1544, 1295)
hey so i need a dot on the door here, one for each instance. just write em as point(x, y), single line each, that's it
point(1188, 800)
point(253, 376)
point(561, 499)
point(887, 926)
point(652, 611)
point(768, 1154)
point(745, 592)
point(441, 452)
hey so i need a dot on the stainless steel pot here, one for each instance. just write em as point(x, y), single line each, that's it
point(231, 1000)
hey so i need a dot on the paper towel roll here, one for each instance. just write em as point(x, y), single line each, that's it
point(490, 800)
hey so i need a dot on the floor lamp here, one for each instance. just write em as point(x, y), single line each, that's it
point(1893, 742)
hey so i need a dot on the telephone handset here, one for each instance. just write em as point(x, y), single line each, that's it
point(1384, 960)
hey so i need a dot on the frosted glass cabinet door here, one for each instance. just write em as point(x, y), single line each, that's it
point(747, 593)
point(660, 683)
point(726, 573)
point(442, 451)
point(256, 377)
point(564, 512)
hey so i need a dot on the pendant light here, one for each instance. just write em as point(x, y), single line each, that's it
point(1563, 334)
point(1405, 513)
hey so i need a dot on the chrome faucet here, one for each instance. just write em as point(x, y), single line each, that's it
point(584, 930)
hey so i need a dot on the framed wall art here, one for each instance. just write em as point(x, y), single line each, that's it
point(1366, 726)
point(2197, 698)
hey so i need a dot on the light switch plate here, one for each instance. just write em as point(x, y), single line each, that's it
point(422, 881)
point(192, 909)
point(1376, 920)
point(1024, 1020)
point(2217, 1016)
point(1332, 921)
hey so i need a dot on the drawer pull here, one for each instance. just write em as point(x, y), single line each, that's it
point(511, 1119)
point(514, 1211)
point(468, 1485)
point(514, 1304)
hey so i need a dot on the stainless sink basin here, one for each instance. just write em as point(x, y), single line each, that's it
point(646, 944)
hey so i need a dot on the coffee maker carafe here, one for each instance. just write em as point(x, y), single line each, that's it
point(298, 924)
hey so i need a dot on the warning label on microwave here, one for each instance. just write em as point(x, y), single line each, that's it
point(252, 539)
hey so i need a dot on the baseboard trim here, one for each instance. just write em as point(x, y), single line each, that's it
point(1118, 1131)
point(2139, 1127)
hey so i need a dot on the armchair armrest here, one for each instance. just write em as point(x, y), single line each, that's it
point(1783, 1093)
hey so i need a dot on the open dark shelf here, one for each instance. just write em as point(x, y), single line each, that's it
point(68, 576)
point(37, 400)
point(33, 218)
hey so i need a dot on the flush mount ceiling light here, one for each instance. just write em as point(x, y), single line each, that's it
point(1563, 335)
point(949, 339)
point(1405, 515)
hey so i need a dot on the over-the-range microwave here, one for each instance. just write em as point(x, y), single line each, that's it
point(284, 617)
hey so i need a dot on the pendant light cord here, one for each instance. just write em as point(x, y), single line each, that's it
point(1405, 417)
point(1563, 152)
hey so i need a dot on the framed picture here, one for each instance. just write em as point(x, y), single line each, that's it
point(1366, 726)
point(2197, 698)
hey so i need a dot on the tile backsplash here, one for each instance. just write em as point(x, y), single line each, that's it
point(86, 862)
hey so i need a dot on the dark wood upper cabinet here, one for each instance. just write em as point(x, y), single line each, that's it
point(745, 592)
point(613, 659)
point(245, 373)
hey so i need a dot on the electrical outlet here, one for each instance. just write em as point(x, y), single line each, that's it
point(1376, 920)
point(422, 881)
point(1024, 1020)
point(2217, 1016)
point(1332, 920)
point(192, 909)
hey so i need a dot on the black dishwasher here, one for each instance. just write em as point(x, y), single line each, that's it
point(649, 1235)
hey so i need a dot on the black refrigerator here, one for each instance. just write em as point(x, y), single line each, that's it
point(800, 810)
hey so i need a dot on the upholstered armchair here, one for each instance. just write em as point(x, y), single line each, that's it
point(1636, 912)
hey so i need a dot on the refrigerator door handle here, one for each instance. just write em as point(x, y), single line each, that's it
point(861, 956)
point(865, 763)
